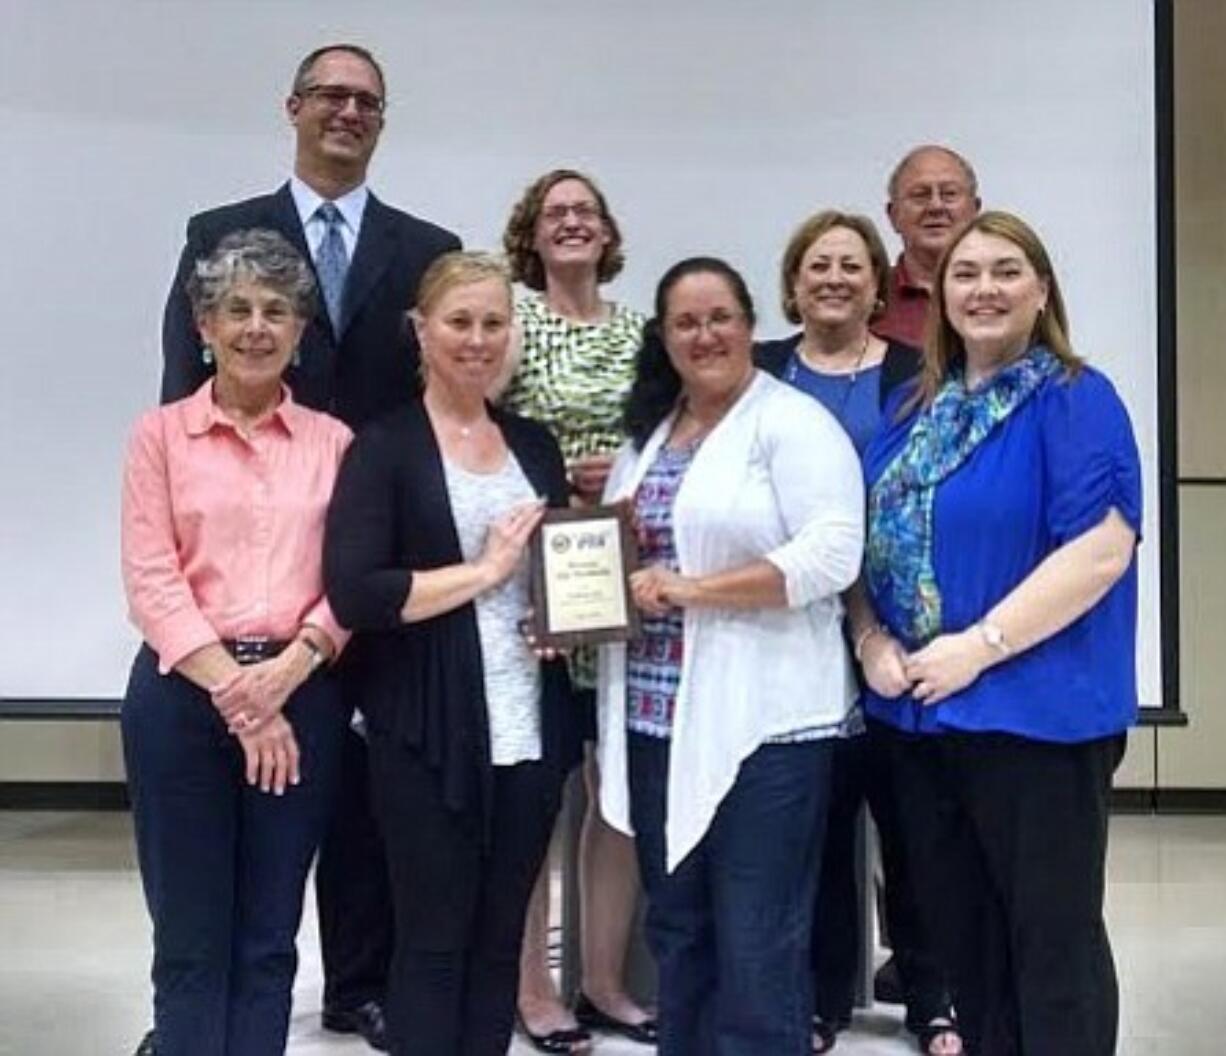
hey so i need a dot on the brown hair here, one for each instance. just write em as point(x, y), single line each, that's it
point(813, 229)
point(519, 239)
point(307, 64)
point(943, 347)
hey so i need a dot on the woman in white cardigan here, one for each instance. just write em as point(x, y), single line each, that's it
point(716, 723)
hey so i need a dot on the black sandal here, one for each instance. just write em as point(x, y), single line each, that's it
point(935, 1028)
point(559, 1042)
point(825, 1032)
point(646, 1032)
point(825, 1035)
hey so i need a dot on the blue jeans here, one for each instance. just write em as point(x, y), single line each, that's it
point(224, 865)
point(730, 928)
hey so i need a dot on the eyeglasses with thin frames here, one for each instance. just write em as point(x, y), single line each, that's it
point(718, 323)
point(944, 193)
point(336, 97)
point(585, 212)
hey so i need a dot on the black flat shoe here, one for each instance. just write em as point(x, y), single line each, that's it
point(147, 1046)
point(562, 1042)
point(645, 1033)
point(366, 1020)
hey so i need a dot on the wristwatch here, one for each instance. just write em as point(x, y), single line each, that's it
point(994, 637)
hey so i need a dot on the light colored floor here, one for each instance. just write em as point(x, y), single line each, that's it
point(74, 944)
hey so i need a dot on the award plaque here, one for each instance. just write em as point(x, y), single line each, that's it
point(581, 564)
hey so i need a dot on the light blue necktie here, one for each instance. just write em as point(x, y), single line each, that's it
point(332, 262)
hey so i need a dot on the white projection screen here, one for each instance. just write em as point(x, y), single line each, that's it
point(713, 126)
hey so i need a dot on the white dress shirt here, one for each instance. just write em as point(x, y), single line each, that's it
point(352, 207)
point(777, 479)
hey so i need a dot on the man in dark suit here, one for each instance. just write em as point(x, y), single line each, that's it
point(357, 359)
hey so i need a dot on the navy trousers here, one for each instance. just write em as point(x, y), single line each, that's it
point(730, 926)
point(224, 865)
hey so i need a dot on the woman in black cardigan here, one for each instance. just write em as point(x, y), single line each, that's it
point(470, 732)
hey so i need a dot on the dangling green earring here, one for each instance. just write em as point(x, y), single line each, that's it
point(206, 354)
point(296, 359)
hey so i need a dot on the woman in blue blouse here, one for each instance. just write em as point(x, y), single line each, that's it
point(1004, 511)
point(834, 278)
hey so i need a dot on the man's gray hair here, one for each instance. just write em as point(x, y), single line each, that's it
point(255, 255)
point(972, 181)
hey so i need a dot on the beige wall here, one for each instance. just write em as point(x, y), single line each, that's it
point(1195, 757)
point(1200, 231)
point(60, 751)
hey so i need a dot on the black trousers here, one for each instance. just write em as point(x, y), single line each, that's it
point(352, 894)
point(1007, 838)
point(861, 774)
point(459, 899)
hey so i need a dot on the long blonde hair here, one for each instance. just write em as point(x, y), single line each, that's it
point(943, 347)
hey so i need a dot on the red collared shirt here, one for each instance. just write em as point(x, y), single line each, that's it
point(906, 309)
point(222, 535)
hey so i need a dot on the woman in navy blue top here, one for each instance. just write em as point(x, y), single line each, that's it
point(834, 277)
point(1004, 510)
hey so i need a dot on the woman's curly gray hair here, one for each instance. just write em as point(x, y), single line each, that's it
point(255, 255)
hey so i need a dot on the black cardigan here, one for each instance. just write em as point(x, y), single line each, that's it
point(901, 362)
point(423, 682)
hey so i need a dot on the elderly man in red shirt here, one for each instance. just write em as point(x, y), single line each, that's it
point(933, 193)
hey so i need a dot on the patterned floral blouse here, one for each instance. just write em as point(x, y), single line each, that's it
point(653, 660)
point(573, 377)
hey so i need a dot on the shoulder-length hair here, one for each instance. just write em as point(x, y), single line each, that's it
point(944, 351)
point(519, 239)
point(809, 232)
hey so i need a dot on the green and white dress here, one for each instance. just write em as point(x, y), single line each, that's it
point(573, 377)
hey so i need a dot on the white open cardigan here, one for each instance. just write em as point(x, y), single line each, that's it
point(777, 479)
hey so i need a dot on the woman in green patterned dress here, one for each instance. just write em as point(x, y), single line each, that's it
point(575, 366)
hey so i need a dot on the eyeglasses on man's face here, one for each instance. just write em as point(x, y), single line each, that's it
point(335, 97)
point(949, 194)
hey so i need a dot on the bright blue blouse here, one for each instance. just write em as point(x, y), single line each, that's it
point(1045, 475)
point(854, 399)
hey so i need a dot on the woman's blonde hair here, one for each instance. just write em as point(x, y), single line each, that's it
point(943, 348)
point(459, 268)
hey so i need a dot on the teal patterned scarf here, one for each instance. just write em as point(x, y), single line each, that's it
point(898, 559)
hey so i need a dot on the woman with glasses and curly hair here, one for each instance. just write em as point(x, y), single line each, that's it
point(574, 367)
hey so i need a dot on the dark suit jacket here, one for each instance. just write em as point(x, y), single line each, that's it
point(391, 515)
point(372, 366)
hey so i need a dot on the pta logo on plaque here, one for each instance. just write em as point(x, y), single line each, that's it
point(560, 543)
point(591, 540)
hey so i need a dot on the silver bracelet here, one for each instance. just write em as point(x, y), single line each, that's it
point(862, 640)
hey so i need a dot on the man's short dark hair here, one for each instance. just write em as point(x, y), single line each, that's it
point(305, 66)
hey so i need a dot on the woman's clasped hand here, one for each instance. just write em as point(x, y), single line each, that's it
point(948, 663)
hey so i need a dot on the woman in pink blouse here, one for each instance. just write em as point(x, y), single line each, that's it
point(231, 723)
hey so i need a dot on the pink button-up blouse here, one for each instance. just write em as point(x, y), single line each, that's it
point(222, 535)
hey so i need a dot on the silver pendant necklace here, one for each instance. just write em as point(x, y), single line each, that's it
point(792, 374)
